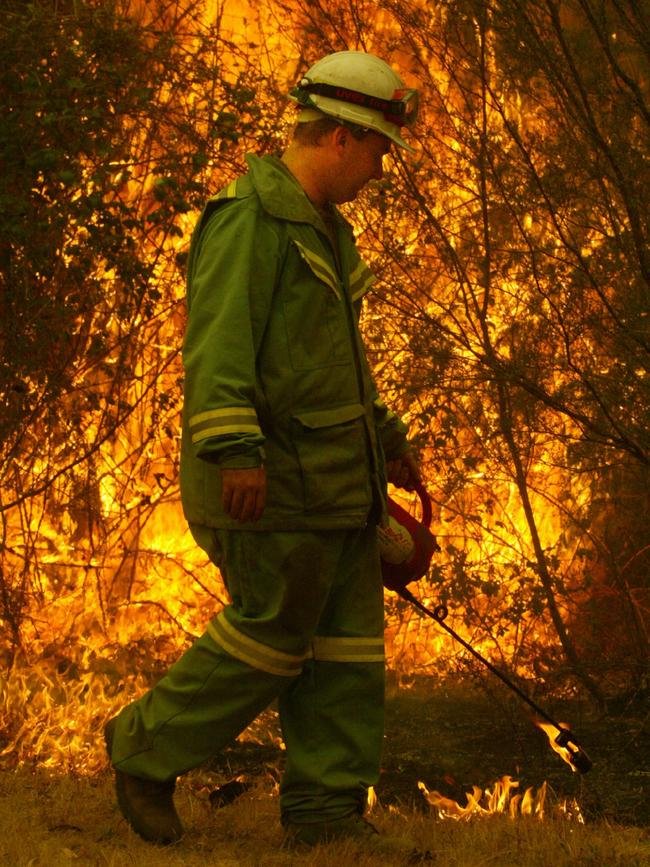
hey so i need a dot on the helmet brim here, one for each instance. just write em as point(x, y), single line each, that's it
point(363, 117)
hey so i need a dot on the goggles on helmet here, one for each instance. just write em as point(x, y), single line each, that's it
point(401, 109)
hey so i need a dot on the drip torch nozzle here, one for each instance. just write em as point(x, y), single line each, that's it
point(578, 758)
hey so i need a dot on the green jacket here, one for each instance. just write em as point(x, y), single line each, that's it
point(275, 370)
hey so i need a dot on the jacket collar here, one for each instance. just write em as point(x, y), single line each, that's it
point(282, 196)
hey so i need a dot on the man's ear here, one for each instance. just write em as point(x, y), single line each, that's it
point(340, 138)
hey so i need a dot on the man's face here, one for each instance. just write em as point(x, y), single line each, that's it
point(362, 161)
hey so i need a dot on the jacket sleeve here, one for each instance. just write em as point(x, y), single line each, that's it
point(391, 429)
point(230, 287)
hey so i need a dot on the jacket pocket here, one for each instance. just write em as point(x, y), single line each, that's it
point(332, 450)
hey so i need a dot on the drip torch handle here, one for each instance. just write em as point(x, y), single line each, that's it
point(425, 501)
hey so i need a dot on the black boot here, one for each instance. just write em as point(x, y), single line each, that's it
point(148, 806)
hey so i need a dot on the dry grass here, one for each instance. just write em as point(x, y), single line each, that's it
point(54, 821)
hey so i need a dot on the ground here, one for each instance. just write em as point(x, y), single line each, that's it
point(450, 736)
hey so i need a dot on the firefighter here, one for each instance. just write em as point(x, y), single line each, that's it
point(286, 449)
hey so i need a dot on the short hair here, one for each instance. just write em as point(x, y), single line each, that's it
point(312, 132)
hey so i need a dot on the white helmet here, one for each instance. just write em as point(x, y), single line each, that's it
point(359, 88)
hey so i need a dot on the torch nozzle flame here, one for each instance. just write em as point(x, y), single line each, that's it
point(565, 744)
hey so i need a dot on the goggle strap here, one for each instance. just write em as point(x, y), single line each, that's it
point(394, 110)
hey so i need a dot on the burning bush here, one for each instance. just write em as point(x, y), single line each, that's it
point(510, 324)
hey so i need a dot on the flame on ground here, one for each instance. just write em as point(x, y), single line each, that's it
point(498, 799)
point(502, 798)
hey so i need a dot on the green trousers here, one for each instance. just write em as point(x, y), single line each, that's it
point(305, 625)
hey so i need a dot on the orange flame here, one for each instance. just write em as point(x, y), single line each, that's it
point(552, 733)
point(498, 799)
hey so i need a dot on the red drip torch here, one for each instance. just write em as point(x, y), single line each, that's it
point(407, 547)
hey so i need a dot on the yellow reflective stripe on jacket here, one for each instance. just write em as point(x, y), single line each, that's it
point(228, 192)
point(246, 649)
point(328, 649)
point(319, 267)
point(361, 279)
point(217, 422)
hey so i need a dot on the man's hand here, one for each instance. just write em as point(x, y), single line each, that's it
point(404, 472)
point(244, 493)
